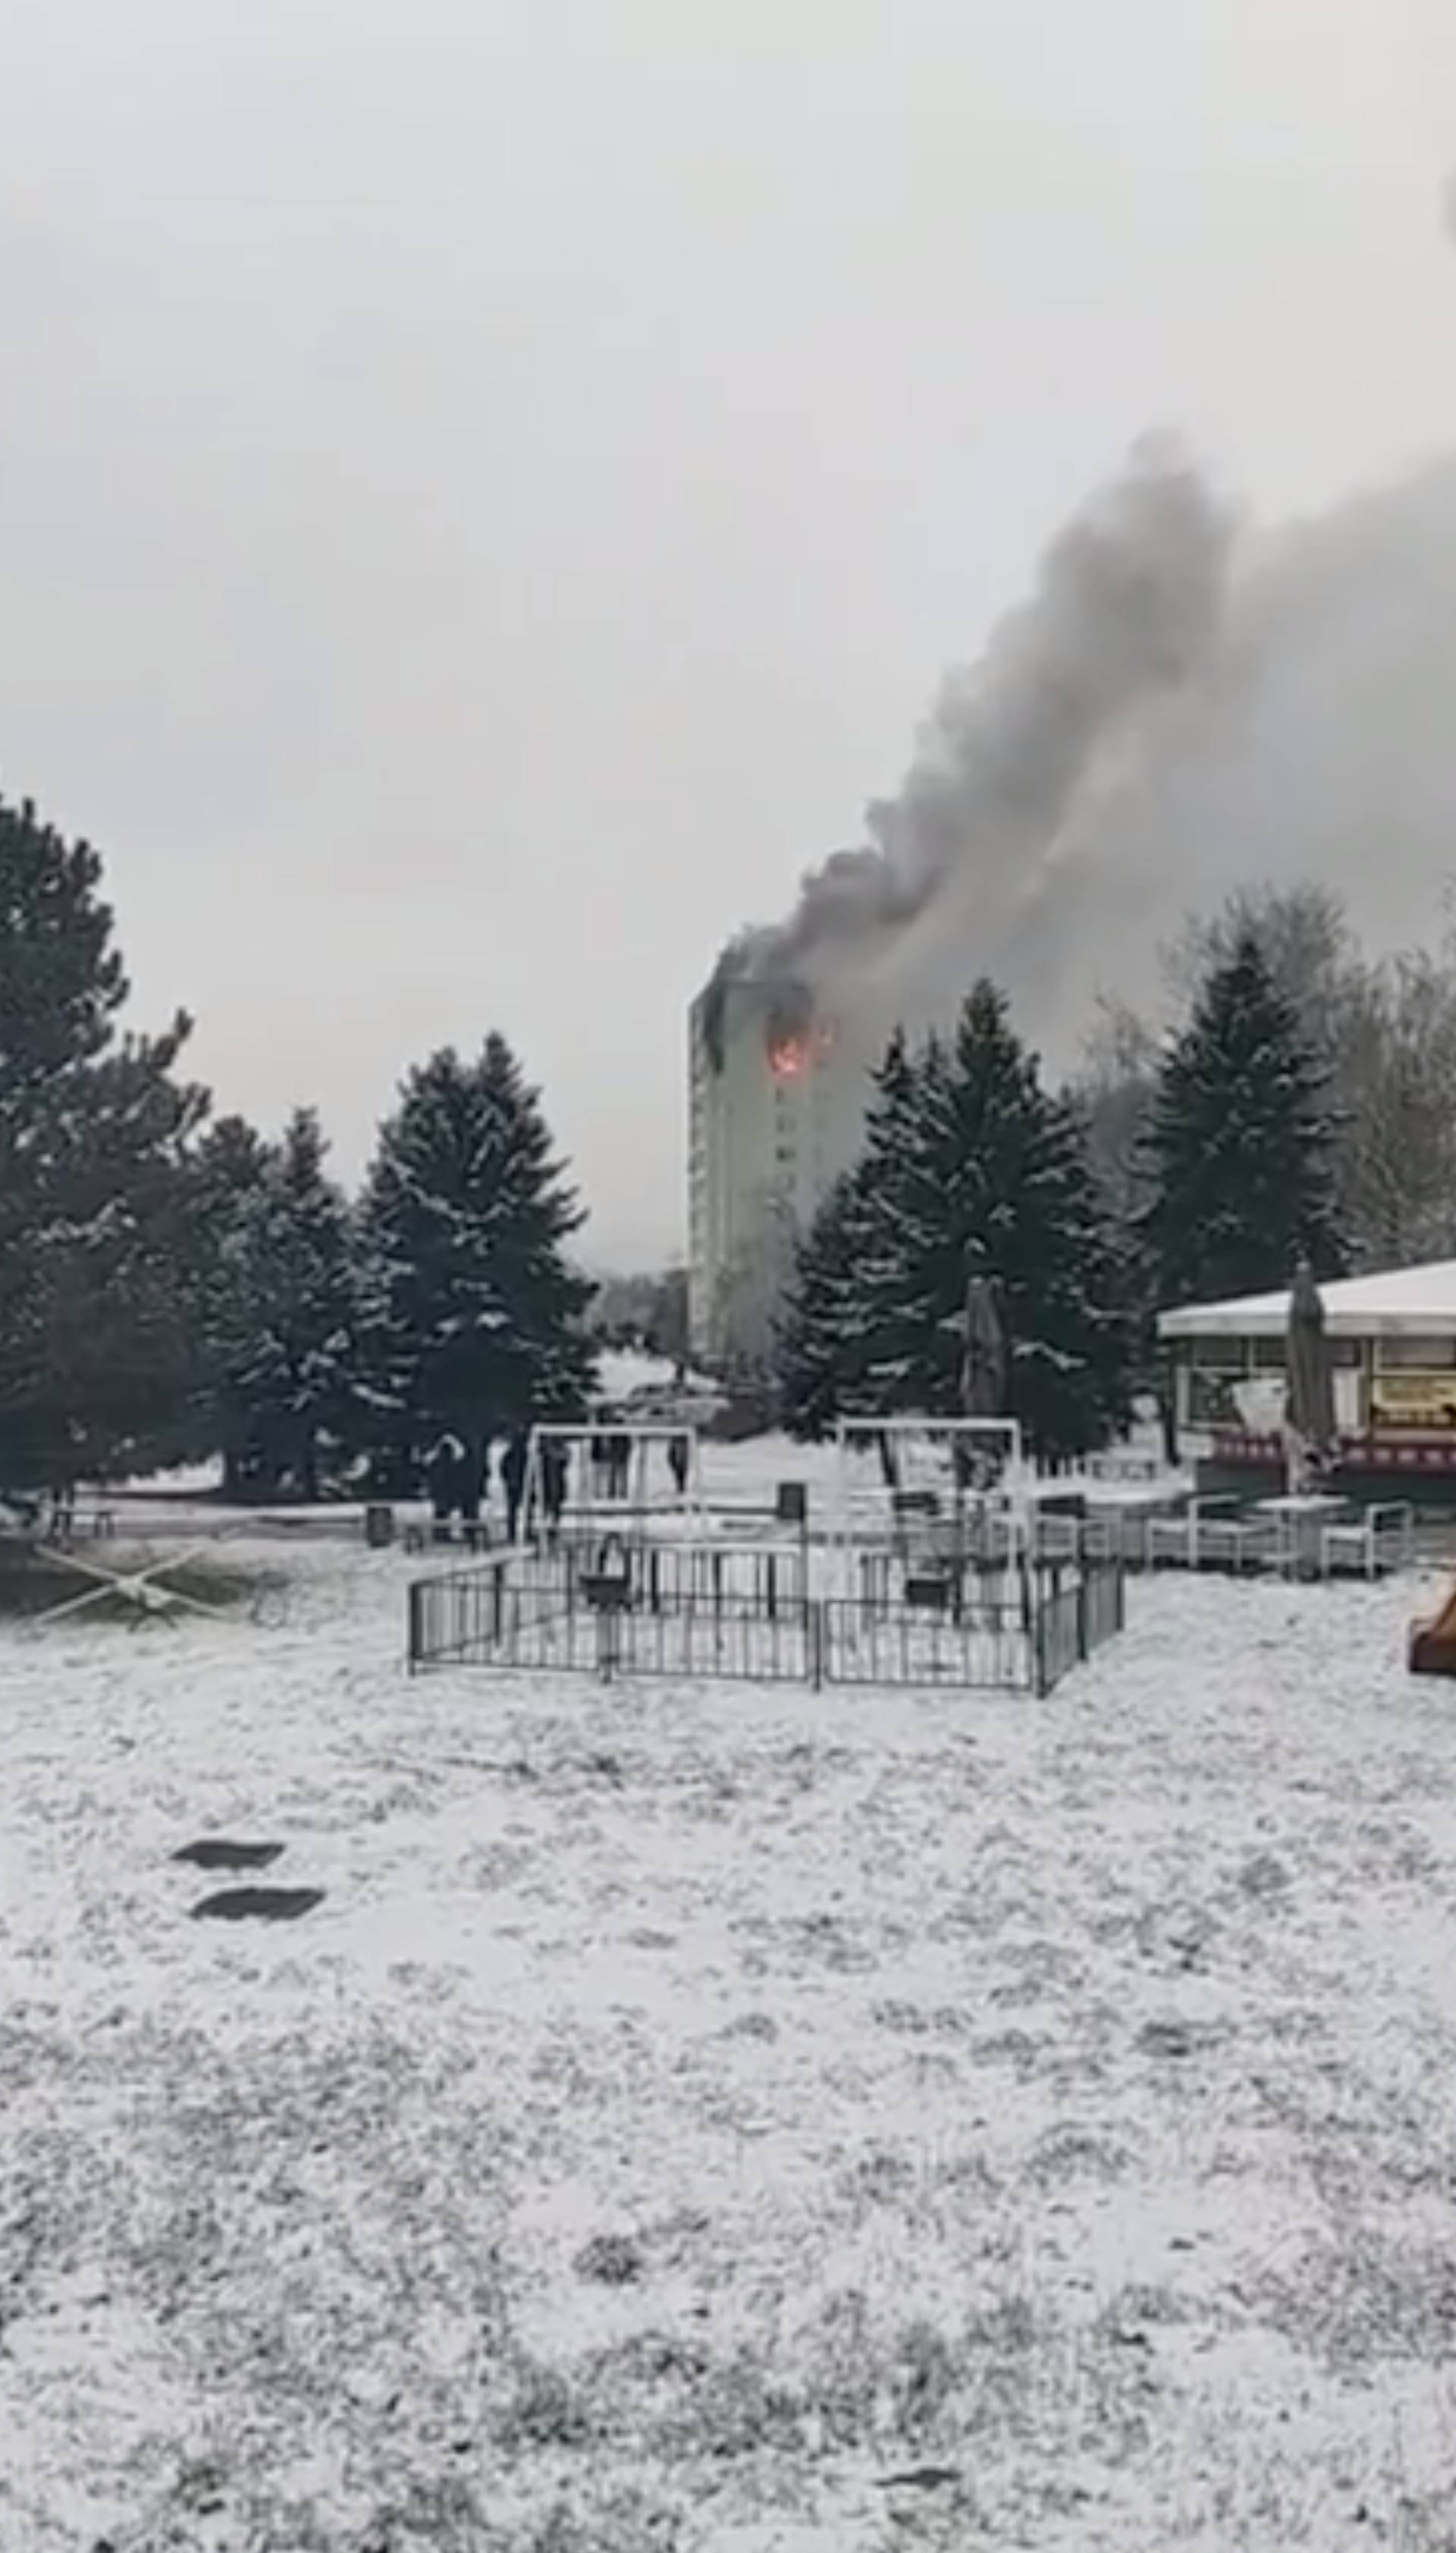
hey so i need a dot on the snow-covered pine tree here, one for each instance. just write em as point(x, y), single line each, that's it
point(477, 1316)
point(817, 1324)
point(285, 1332)
point(124, 1340)
point(1239, 1145)
point(896, 1223)
point(98, 1362)
point(995, 1180)
point(231, 1162)
point(842, 1324)
point(903, 1356)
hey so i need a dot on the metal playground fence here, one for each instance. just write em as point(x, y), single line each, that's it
point(699, 1614)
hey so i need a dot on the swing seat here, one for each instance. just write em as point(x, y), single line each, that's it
point(608, 1590)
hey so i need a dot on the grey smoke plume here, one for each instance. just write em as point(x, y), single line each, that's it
point(1126, 605)
point(1171, 714)
point(1317, 744)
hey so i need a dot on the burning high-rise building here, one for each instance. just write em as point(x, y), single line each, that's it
point(1168, 715)
point(776, 1108)
point(965, 869)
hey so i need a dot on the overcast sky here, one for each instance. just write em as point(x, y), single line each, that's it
point(487, 491)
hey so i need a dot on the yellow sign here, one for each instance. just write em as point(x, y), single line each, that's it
point(1413, 1400)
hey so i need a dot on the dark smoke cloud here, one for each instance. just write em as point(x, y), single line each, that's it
point(1318, 744)
point(1127, 604)
point(1169, 716)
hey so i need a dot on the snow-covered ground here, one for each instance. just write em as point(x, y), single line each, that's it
point(623, 1371)
point(689, 2111)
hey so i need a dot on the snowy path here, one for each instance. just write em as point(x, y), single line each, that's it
point(688, 2110)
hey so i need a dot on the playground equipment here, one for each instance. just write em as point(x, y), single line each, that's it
point(752, 1614)
point(949, 1491)
point(610, 1479)
point(930, 1571)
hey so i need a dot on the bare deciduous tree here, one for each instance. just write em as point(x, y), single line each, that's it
point(1112, 1091)
point(1386, 1031)
point(1393, 1078)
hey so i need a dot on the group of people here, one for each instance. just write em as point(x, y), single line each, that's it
point(457, 1488)
point(608, 1454)
point(515, 1467)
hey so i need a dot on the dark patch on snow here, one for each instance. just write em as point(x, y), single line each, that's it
point(879, 2179)
point(1264, 1875)
point(1070, 2152)
point(1167, 2039)
point(1179, 1933)
point(920, 2020)
point(610, 2260)
point(750, 2025)
point(919, 2478)
point(269, 1905)
point(215, 1853)
point(1014, 2048)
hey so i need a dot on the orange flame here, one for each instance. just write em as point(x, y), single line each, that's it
point(793, 1053)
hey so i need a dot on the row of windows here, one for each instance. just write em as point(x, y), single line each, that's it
point(1429, 1355)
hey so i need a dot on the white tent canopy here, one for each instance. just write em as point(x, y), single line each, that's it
point(1407, 1303)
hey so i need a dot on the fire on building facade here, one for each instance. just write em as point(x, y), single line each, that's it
point(776, 1112)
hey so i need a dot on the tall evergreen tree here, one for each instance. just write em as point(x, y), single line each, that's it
point(285, 1330)
point(842, 1318)
point(476, 1313)
point(1001, 1187)
point(1238, 1145)
point(98, 1365)
point(896, 1215)
point(816, 1327)
point(231, 1162)
point(969, 1168)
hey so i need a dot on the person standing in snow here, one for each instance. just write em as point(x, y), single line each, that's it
point(444, 1479)
point(512, 1479)
point(555, 1459)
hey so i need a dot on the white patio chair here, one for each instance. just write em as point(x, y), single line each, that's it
point(1380, 1542)
point(1058, 1537)
point(1099, 1539)
point(1225, 1542)
point(1127, 1531)
point(1004, 1537)
point(1179, 1540)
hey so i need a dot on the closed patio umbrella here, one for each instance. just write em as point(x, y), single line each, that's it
point(984, 1372)
point(1310, 1405)
point(985, 1364)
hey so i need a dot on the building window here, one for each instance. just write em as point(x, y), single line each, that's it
point(1219, 1355)
point(1415, 1355)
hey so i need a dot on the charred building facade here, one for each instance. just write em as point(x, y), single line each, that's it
point(776, 1112)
